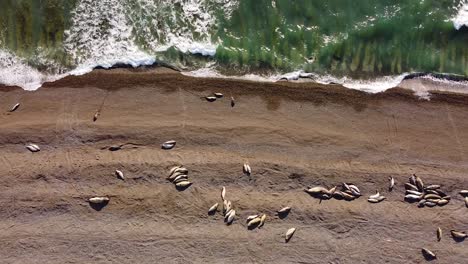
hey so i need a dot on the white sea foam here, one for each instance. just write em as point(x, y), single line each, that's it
point(461, 18)
point(14, 71)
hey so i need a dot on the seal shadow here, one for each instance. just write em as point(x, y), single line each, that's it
point(252, 227)
point(182, 188)
point(212, 213)
point(98, 207)
point(283, 215)
point(459, 239)
point(428, 257)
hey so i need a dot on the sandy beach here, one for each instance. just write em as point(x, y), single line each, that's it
point(293, 135)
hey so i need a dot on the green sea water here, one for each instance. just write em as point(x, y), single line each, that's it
point(361, 39)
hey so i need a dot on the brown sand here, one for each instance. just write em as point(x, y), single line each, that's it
point(293, 135)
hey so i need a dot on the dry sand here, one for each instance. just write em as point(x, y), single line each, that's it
point(292, 135)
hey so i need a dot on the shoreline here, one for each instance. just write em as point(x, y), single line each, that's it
point(293, 135)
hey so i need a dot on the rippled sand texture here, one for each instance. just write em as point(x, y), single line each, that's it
point(292, 135)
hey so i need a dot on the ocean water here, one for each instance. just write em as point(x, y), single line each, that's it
point(371, 45)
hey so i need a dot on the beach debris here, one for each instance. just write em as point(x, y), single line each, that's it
point(168, 144)
point(99, 200)
point(439, 234)
point(457, 235)
point(246, 169)
point(429, 196)
point(96, 115)
point(33, 148)
point(289, 234)
point(178, 175)
point(14, 108)
point(213, 209)
point(391, 183)
point(218, 95)
point(223, 193)
point(210, 98)
point(428, 255)
point(119, 174)
point(233, 102)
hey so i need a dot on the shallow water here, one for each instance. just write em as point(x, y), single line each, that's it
point(364, 40)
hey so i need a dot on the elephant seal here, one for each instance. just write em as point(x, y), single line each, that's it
point(431, 196)
point(246, 169)
point(428, 255)
point(375, 196)
point(316, 190)
point(213, 209)
point(183, 184)
point(119, 174)
point(289, 234)
point(223, 193)
point(254, 222)
point(230, 217)
point(233, 102)
point(376, 200)
point(33, 148)
point(284, 210)
point(168, 144)
point(432, 187)
point(98, 200)
point(439, 234)
point(250, 217)
point(95, 117)
point(210, 98)
point(14, 108)
point(409, 186)
point(391, 183)
point(419, 184)
point(218, 95)
point(458, 235)
point(262, 220)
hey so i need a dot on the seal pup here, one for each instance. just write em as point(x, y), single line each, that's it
point(223, 193)
point(246, 169)
point(289, 234)
point(33, 148)
point(428, 255)
point(168, 144)
point(98, 200)
point(391, 183)
point(14, 108)
point(439, 234)
point(213, 209)
point(233, 102)
point(119, 174)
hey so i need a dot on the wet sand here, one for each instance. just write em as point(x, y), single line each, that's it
point(292, 135)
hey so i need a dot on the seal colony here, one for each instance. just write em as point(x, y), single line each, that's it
point(289, 144)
